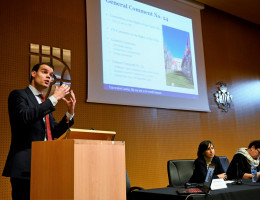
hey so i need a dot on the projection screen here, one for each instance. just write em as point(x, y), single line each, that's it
point(146, 53)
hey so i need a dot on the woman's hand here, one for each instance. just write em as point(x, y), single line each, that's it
point(223, 176)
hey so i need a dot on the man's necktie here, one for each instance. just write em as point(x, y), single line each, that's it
point(47, 122)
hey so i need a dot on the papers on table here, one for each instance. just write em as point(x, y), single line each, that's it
point(218, 184)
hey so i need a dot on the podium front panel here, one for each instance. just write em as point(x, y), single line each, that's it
point(78, 169)
point(52, 170)
point(100, 170)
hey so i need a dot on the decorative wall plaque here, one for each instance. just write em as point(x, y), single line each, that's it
point(223, 98)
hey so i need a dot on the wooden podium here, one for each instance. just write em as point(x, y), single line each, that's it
point(78, 169)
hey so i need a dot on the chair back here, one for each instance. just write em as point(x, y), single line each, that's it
point(179, 171)
point(129, 189)
point(128, 186)
point(224, 162)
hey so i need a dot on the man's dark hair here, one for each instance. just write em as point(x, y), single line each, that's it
point(203, 146)
point(255, 143)
point(37, 66)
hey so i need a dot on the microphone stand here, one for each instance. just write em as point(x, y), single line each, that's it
point(238, 181)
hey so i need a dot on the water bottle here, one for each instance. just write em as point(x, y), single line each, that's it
point(254, 172)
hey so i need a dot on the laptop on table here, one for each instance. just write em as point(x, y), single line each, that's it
point(206, 185)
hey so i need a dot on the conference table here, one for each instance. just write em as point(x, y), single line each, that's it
point(245, 191)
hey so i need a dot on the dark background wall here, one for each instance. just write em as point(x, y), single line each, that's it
point(152, 136)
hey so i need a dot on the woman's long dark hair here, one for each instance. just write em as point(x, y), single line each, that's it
point(203, 147)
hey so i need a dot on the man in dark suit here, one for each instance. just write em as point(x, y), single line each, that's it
point(28, 119)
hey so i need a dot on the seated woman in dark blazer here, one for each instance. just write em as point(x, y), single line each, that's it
point(240, 166)
point(206, 156)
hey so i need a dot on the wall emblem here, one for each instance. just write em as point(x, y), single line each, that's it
point(223, 98)
point(60, 58)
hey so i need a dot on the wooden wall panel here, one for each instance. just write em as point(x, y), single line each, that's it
point(153, 136)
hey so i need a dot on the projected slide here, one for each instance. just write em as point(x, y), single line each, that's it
point(147, 50)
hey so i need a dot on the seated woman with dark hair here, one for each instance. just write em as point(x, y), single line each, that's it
point(240, 166)
point(206, 156)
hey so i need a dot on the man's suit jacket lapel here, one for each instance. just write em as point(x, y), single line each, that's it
point(35, 102)
point(31, 96)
